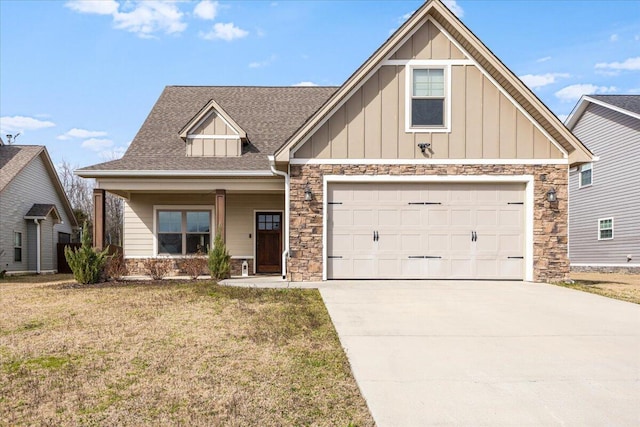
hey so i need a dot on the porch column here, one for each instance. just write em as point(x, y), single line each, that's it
point(221, 213)
point(98, 218)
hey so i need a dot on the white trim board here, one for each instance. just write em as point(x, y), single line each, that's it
point(528, 180)
point(429, 161)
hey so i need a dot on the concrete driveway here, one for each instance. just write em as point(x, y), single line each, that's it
point(489, 353)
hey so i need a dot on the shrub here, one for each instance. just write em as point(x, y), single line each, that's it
point(194, 266)
point(219, 259)
point(116, 267)
point(86, 263)
point(157, 268)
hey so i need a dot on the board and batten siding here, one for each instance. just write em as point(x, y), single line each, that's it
point(485, 124)
point(138, 219)
point(615, 193)
point(32, 185)
point(213, 125)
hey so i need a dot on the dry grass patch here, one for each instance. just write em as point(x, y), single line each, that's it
point(171, 354)
point(625, 287)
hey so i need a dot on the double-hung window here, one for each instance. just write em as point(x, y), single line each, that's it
point(605, 229)
point(17, 246)
point(182, 232)
point(586, 174)
point(428, 97)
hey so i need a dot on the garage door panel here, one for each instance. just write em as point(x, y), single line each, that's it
point(423, 220)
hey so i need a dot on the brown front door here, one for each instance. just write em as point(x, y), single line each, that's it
point(268, 242)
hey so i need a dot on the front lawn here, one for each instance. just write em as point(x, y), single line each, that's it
point(170, 353)
point(625, 287)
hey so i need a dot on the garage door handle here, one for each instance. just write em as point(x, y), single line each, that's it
point(515, 257)
point(424, 257)
point(474, 236)
point(376, 237)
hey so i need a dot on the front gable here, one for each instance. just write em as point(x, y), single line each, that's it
point(483, 116)
point(213, 133)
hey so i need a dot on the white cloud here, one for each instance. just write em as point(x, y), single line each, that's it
point(80, 133)
point(227, 32)
point(265, 63)
point(143, 18)
point(454, 7)
point(98, 7)
point(544, 59)
point(149, 17)
point(630, 64)
point(613, 38)
point(206, 9)
point(574, 92)
point(97, 144)
point(535, 81)
point(21, 124)
point(306, 84)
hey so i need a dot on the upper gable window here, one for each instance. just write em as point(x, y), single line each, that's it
point(586, 175)
point(428, 98)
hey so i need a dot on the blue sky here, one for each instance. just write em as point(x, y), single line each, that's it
point(81, 77)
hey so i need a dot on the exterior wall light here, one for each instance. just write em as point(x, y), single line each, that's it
point(308, 195)
point(551, 195)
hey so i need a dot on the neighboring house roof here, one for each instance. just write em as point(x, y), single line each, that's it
point(268, 115)
point(478, 52)
point(14, 158)
point(625, 104)
point(41, 211)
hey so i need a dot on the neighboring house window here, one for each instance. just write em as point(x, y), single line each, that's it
point(605, 229)
point(428, 100)
point(64, 237)
point(586, 175)
point(183, 232)
point(17, 247)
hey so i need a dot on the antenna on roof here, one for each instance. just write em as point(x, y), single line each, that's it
point(12, 138)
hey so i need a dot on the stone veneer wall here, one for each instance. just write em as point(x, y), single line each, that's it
point(135, 266)
point(550, 263)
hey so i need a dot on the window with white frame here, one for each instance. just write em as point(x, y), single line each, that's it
point(586, 174)
point(17, 246)
point(183, 232)
point(428, 97)
point(605, 229)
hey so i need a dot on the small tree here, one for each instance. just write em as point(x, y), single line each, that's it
point(219, 259)
point(85, 262)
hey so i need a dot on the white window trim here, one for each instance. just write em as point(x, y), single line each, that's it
point(600, 229)
point(580, 175)
point(181, 208)
point(21, 247)
point(528, 180)
point(408, 91)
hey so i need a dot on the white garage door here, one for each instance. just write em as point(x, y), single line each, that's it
point(425, 231)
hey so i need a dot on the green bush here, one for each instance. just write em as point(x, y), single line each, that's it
point(86, 263)
point(219, 259)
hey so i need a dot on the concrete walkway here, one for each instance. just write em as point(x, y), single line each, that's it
point(489, 353)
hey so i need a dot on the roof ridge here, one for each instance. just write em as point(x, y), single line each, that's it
point(258, 86)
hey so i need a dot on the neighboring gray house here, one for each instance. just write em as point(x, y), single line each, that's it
point(35, 213)
point(604, 196)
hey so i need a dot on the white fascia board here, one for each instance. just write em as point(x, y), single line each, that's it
point(575, 115)
point(429, 161)
point(171, 173)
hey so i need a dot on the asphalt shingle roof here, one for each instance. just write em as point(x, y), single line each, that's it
point(41, 210)
point(627, 102)
point(269, 115)
point(13, 158)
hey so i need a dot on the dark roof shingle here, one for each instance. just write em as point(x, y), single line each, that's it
point(269, 115)
point(628, 102)
point(41, 210)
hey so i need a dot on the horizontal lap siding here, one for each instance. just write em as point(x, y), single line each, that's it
point(16, 200)
point(138, 218)
point(615, 139)
point(240, 219)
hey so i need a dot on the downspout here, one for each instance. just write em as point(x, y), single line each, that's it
point(37, 246)
point(287, 194)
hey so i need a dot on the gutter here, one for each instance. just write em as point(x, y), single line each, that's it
point(37, 245)
point(287, 196)
point(171, 173)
